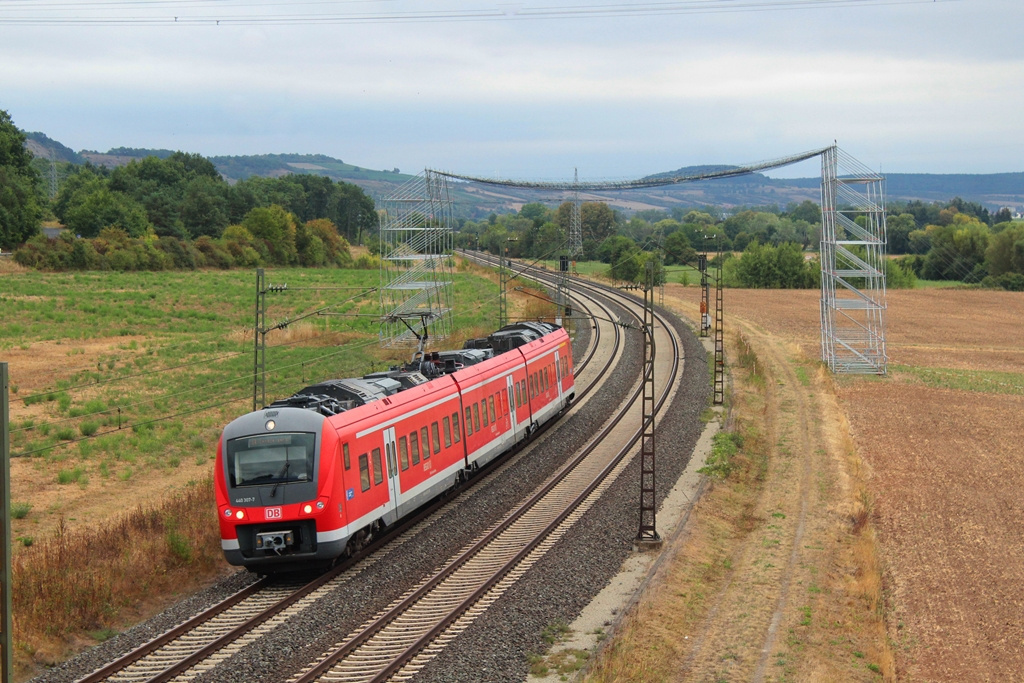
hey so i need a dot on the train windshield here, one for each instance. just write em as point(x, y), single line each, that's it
point(271, 459)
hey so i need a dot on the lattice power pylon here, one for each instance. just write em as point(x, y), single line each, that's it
point(852, 265)
point(575, 223)
point(416, 239)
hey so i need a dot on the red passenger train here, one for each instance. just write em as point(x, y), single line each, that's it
point(315, 476)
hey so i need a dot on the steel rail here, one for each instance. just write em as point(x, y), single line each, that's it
point(381, 622)
point(150, 646)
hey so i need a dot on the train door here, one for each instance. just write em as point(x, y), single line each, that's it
point(510, 387)
point(394, 484)
point(558, 377)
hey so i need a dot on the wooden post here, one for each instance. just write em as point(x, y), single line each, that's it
point(6, 659)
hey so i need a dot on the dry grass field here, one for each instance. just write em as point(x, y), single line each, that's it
point(908, 557)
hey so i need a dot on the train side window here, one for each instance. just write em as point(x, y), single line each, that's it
point(519, 402)
point(364, 472)
point(469, 422)
point(378, 470)
point(436, 436)
point(455, 426)
point(344, 450)
point(426, 443)
point(414, 445)
point(447, 432)
point(490, 407)
point(525, 395)
point(476, 417)
point(403, 453)
point(505, 401)
point(483, 409)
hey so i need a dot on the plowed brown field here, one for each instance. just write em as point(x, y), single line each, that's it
point(946, 470)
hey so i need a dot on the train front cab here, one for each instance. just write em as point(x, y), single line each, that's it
point(271, 502)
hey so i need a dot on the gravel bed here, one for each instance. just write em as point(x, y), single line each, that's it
point(496, 647)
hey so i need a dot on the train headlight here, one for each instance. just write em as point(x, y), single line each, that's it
point(307, 508)
point(227, 513)
point(319, 505)
point(270, 425)
point(240, 514)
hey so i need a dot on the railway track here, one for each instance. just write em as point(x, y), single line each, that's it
point(397, 643)
point(201, 643)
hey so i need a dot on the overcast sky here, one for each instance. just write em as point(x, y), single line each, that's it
point(902, 85)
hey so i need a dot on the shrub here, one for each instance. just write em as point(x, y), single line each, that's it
point(122, 260)
point(180, 254)
point(1013, 282)
point(366, 262)
point(88, 428)
point(214, 253)
point(20, 510)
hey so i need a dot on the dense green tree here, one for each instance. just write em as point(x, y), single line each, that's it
point(549, 241)
point(598, 221)
point(623, 255)
point(1005, 251)
point(772, 267)
point(276, 228)
point(678, 250)
point(536, 212)
point(21, 201)
point(1003, 215)
point(957, 250)
point(804, 211)
point(104, 208)
point(204, 207)
point(898, 229)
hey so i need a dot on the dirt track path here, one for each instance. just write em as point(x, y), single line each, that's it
point(767, 588)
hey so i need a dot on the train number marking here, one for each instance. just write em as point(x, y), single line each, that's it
point(273, 513)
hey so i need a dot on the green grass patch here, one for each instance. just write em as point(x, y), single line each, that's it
point(20, 510)
point(70, 476)
point(719, 463)
point(983, 381)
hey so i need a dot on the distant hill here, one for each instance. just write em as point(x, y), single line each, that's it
point(41, 146)
point(472, 200)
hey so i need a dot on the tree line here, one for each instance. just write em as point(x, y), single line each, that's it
point(175, 211)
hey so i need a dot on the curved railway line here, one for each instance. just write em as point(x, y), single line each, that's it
point(398, 641)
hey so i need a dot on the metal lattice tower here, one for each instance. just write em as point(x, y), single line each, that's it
point(416, 240)
point(575, 223)
point(648, 533)
point(852, 265)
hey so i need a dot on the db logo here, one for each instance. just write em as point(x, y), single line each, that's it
point(273, 513)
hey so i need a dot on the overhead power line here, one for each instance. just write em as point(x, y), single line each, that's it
point(251, 12)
